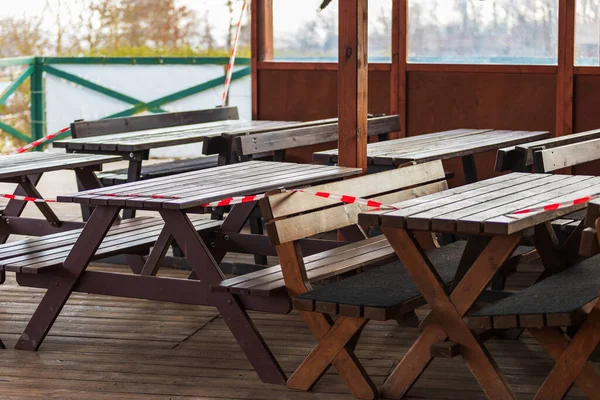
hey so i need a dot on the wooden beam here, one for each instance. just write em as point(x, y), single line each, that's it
point(566, 61)
point(353, 83)
point(399, 64)
point(261, 43)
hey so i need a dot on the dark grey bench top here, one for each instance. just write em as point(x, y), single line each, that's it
point(565, 292)
point(389, 285)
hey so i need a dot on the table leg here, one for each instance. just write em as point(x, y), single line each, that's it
point(134, 173)
point(573, 360)
point(207, 270)
point(469, 168)
point(554, 342)
point(65, 279)
point(86, 180)
point(15, 208)
point(447, 312)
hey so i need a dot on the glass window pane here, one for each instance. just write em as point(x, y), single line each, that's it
point(587, 33)
point(301, 33)
point(483, 32)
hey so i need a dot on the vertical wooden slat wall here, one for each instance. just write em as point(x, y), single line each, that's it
point(431, 97)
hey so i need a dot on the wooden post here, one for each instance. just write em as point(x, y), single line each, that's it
point(566, 61)
point(261, 44)
point(352, 83)
point(399, 60)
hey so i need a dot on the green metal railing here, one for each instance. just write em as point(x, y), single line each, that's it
point(36, 67)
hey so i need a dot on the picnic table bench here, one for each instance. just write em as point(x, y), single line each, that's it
point(463, 143)
point(568, 299)
point(520, 157)
point(62, 267)
point(380, 293)
point(26, 170)
point(482, 211)
point(251, 144)
point(478, 210)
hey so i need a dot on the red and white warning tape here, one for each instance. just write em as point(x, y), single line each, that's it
point(556, 206)
point(26, 198)
point(348, 199)
point(36, 143)
point(233, 54)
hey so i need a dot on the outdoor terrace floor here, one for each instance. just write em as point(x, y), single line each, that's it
point(112, 348)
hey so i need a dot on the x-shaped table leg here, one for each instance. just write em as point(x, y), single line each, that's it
point(207, 270)
point(334, 347)
point(572, 364)
point(15, 208)
point(64, 280)
point(447, 313)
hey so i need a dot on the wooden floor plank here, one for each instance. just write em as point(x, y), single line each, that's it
point(112, 348)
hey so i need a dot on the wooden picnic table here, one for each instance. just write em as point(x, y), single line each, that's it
point(483, 211)
point(173, 198)
point(464, 143)
point(135, 146)
point(26, 170)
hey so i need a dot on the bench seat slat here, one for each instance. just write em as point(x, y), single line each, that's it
point(37, 255)
point(266, 281)
point(385, 287)
point(562, 294)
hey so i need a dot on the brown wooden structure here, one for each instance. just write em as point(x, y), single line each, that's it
point(432, 97)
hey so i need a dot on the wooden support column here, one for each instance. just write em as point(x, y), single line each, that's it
point(399, 60)
point(261, 43)
point(353, 83)
point(566, 61)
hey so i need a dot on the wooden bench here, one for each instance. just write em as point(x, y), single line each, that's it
point(84, 129)
point(567, 299)
point(277, 142)
point(293, 216)
point(130, 236)
point(520, 158)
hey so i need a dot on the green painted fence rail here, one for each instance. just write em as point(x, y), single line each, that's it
point(37, 67)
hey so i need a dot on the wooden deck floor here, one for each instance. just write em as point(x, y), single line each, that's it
point(112, 348)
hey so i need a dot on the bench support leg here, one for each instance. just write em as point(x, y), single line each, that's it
point(326, 352)
point(15, 208)
point(65, 279)
point(572, 363)
point(554, 342)
point(235, 316)
point(344, 360)
point(447, 313)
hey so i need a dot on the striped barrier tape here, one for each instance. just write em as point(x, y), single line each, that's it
point(26, 198)
point(38, 142)
point(556, 206)
point(233, 54)
point(346, 199)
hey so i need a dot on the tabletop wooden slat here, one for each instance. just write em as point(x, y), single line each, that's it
point(163, 137)
point(486, 207)
point(199, 187)
point(439, 145)
point(36, 162)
